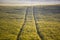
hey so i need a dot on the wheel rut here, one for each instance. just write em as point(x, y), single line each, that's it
point(22, 25)
point(37, 27)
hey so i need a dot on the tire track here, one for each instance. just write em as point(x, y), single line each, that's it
point(37, 27)
point(22, 25)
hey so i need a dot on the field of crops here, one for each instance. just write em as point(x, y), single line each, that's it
point(30, 23)
point(48, 21)
point(11, 20)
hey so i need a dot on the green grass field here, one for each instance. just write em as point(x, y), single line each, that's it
point(30, 23)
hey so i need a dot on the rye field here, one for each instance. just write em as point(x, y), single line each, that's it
point(30, 23)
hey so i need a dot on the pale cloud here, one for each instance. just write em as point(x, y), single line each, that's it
point(29, 1)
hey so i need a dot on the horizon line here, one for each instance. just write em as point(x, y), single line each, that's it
point(25, 4)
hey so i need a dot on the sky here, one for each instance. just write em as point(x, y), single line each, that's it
point(30, 2)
